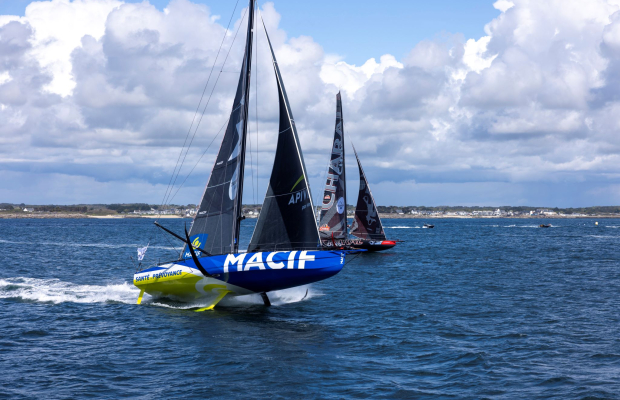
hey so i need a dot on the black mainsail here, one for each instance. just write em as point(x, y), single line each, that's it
point(333, 221)
point(366, 224)
point(287, 220)
point(216, 225)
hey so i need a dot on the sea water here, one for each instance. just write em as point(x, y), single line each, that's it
point(474, 308)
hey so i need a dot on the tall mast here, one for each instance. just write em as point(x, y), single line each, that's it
point(247, 62)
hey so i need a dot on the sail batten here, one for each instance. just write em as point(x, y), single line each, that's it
point(216, 225)
point(333, 221)
point(287, 220)
point(366, 223)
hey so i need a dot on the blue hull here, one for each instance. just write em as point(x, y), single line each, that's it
point(246, 272)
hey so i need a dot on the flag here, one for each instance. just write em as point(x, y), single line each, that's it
point(142, 252)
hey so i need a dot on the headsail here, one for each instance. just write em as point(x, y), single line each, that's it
point(367, 224)
point(333, 222)
point(216, 225)
point(287, 220)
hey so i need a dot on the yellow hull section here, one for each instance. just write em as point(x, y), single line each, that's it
point(184, 283)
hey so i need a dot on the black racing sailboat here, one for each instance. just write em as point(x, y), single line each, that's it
point(367, 233)
point(284, 251)
point(367, 223)
point(333, 219)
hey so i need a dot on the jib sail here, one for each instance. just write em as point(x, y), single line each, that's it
point(287, 220)
point(366, 224)
point(333, 222)
point(216, 225)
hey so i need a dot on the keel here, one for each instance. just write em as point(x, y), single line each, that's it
point(140, 297)
point(265, 299)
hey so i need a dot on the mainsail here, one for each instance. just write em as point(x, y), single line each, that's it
point(333, 222)
point(287, 220)
point(216, 225)
point(366, 224)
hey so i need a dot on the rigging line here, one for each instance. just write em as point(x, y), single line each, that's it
point(213, 198)
point(249, 136)
point(354, 257)
point(209, 99)
point(204, 110)
point(248, 118)
point(252, 165)
point(174, 250)
point(256, 103)
point(169, 189)
point(197, 162)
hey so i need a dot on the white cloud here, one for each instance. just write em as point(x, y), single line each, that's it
point(104, 91)
point(351, 77)
point(503, 5)
point(474, 56)
point(59, 26)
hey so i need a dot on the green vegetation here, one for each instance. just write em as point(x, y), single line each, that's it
point(52, 208)
point(597, 210)
point(126, 208)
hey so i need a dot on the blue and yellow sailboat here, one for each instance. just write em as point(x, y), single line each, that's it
point(285, 249)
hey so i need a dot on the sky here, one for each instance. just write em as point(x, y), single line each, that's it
point(356, 30)
point(506, 102)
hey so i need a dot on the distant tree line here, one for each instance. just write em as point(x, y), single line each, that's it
point(125, 208)
point(522, 209)
point(53, 208)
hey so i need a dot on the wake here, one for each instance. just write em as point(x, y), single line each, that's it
point(55, 291)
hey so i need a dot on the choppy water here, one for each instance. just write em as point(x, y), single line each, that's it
point(470, 309)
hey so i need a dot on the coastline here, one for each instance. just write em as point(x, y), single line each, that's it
point(59, 215)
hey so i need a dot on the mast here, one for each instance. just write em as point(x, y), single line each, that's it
point(238, 214)
point(216, 226)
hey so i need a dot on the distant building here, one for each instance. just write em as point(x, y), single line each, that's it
point(28, 209)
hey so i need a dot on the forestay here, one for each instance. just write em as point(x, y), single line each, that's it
point(287, 220)
point(333, 222)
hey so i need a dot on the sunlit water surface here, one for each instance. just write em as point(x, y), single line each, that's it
point(491, 308)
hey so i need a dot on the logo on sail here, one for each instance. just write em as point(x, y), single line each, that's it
point(232, 189)
point(340, 205)
point(196, 241)
point(302, 195)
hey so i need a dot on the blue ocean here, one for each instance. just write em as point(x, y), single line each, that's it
point(474, 308)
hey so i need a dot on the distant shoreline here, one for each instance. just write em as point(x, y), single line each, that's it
point(70, 215)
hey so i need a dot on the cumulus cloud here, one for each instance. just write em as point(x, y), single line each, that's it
point(107, 100)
